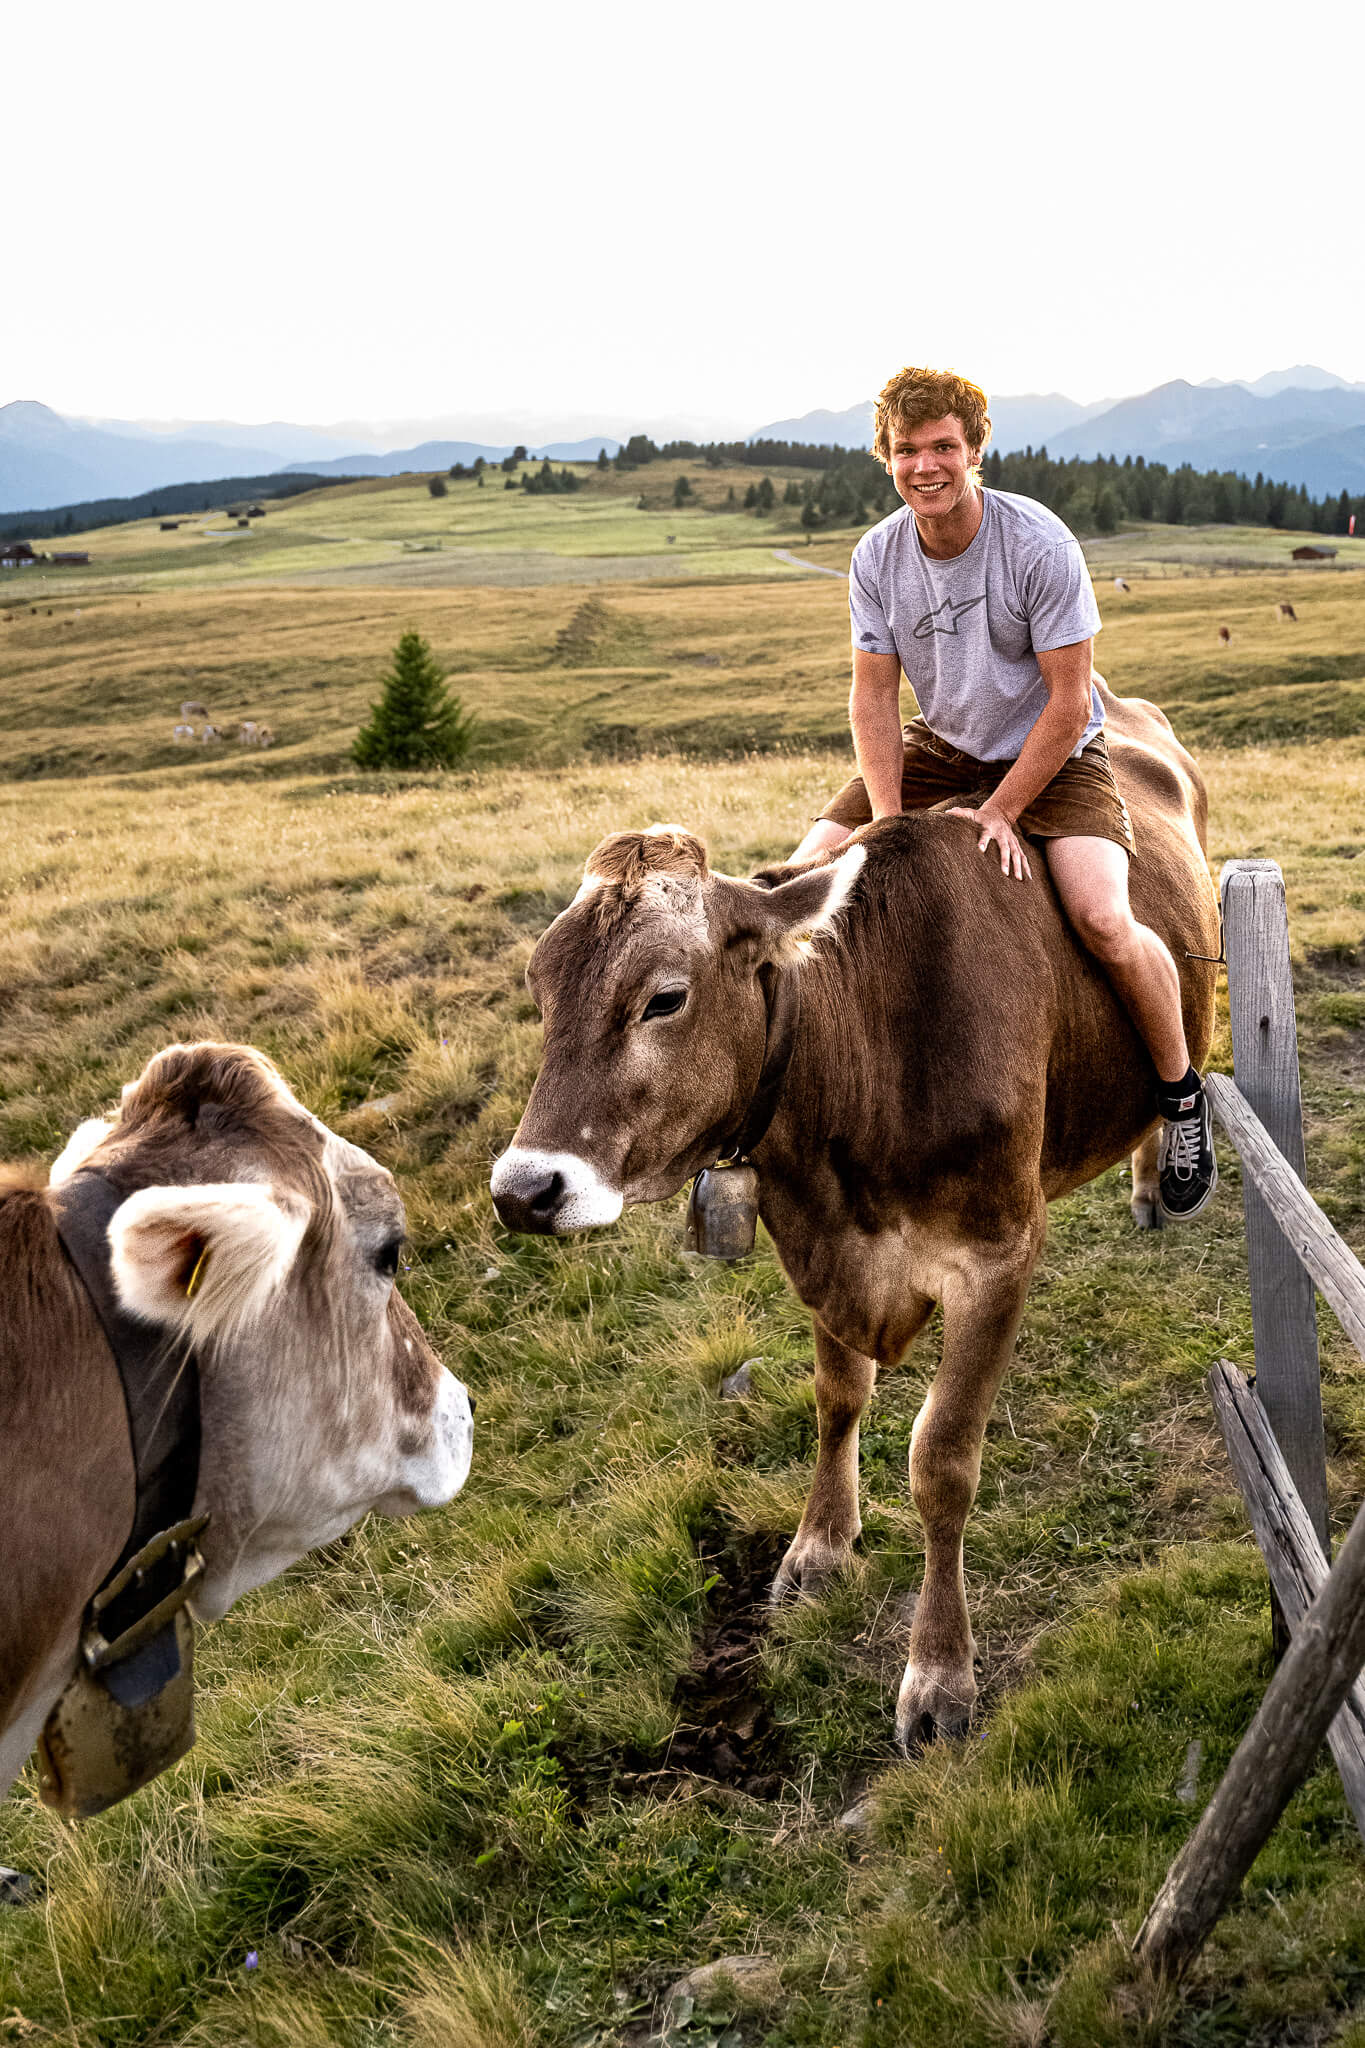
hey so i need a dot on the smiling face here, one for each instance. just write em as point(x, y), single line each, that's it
point(932, 468)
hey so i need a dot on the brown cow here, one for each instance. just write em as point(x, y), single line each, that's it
point(1286, 611)
point(1225, 635)
point(245, 1230)
point(957, 1062)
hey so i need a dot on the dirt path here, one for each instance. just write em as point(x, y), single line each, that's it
point(816, 568)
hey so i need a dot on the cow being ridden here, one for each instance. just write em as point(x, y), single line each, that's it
point(200, 1318)
point(913, 1088)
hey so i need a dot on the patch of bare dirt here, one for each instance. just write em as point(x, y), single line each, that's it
point(726, 1733)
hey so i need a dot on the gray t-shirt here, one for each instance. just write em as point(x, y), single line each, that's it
point(968, 631)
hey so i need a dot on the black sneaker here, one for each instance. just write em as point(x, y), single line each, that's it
point(1187, 1170)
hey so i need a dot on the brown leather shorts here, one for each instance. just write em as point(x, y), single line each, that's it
point(1082, 801)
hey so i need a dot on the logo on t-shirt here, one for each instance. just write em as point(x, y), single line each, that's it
point(930, 623)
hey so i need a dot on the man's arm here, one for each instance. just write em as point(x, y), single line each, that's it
point(874, 713)
point(1066, 673)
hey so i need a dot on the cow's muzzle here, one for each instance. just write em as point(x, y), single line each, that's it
point(551, 1193)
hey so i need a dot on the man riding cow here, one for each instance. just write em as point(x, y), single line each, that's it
point(983, 600)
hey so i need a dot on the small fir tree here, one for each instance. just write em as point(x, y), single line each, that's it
point(416, 723)
point(682, 491)
point(437, 485)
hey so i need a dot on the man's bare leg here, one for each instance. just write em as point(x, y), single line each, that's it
point(1091, 877)
point(823, 834)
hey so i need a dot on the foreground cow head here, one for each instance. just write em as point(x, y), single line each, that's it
point(256, 1235)
point(654, 986)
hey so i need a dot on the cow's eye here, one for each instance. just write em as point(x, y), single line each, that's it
point(665, 1003)
point(386, 1258)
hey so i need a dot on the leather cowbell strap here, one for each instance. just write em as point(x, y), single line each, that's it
point(784, 1015)
point(160, 1376)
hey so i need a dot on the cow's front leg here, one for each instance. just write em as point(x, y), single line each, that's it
point(831, 1523)
point(981, 1309)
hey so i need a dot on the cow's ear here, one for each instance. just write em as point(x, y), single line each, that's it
point(780, 921)
point(207, 1259)
point(84, 1140)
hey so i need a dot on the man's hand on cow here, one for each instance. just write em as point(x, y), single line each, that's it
point(996, 829)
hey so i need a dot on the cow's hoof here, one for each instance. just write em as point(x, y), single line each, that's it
point(808, 1567)
point(934, 1702)
point(1147, 1213)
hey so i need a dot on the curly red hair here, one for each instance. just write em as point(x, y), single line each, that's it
point(914, 396)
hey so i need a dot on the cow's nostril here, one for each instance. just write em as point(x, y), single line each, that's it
point(544, 1199)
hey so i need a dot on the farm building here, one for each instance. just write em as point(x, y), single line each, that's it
point(73, 559)
point(16, 554)
point(170, 526)
point(1314, 554)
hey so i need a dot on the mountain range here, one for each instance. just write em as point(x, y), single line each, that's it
point(1302, 425)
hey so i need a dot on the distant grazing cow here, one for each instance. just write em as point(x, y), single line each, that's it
point(248, 732)
point(211, 1221)
point(1286, 611)
point(264, 736)
point(1225, 635)
point(194, 709)
point(914, 1089)
point(213, 732)
point(1119, 583)
point(183, 732)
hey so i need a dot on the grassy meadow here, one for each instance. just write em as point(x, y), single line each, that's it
point(498, 1776)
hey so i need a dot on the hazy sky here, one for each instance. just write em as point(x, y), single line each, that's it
point(730, 211)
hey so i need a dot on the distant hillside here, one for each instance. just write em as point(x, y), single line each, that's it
point(51, 521)
point(1300, 434)
point(45, 460)
point(48, 462)
point(441, 454)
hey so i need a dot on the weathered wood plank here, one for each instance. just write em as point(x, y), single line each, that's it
point(1274, 1756)
point(1306, 1231)
point(1265, 1058)
point(1290, 1547)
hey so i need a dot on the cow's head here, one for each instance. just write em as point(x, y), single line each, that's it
point(654, 986)
point(256, 1235)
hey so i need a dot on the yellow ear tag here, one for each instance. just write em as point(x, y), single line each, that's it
point(197, 1274)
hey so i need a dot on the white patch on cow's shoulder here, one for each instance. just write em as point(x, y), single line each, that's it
point(205, 1259)
point(77, 1149)
point(583, 1201)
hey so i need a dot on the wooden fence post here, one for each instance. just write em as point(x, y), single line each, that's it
point(1265, 1064)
